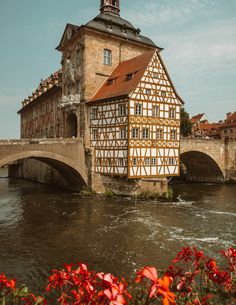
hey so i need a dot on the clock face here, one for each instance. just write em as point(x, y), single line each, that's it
point(69, 33)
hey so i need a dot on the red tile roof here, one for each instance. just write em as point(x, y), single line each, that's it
point(197, 118)
point(44, 86)
point(121, 86)
point(208, 127)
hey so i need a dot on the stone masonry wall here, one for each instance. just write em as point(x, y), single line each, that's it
point(231, 160)
point(34, 170)
point(95, 72)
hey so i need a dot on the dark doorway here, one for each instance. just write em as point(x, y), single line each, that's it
point(71, 126)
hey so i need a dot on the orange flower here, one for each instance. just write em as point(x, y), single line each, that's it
point(169, 297)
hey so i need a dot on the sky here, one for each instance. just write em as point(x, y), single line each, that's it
point(198, 37)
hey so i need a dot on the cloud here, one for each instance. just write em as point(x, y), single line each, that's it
point(155, 12)
point(211, 48)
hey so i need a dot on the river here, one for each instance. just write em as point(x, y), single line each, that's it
point(43, 228)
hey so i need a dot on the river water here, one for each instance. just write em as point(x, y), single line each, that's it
point(43, 228)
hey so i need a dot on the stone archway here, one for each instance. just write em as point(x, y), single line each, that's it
point(201, 167)
point(73, 174)
point(71, 125)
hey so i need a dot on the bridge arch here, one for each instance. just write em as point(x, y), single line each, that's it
point(73, 173)
point(202, 167)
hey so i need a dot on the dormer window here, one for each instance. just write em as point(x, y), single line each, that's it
point(137, 32)
point(110, 82)
point(123, 28)
point(129, 76)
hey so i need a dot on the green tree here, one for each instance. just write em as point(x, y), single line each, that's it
point(185, 123)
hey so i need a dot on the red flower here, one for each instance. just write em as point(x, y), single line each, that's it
point(184, 255)
point(115, 294)
point(159, 286)
point(230, 254)
point(148, 272)
point(5, 283)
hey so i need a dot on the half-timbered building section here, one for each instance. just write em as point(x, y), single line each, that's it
point(135, 119)
point(154, 124)
point(109, 127)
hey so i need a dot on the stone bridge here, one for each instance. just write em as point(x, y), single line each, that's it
point(66, 156)
point(203, 159)
point(208, 160)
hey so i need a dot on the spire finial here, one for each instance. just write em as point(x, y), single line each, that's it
point(110, 7)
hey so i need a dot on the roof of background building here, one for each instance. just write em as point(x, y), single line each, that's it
point(118, 83)
point(208, 127)
point(197, 118)
point(45, 85)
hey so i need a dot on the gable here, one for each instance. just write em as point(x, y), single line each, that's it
point(156, 85)
point(69, 32)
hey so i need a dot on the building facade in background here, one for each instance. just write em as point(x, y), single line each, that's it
point(228, 127)
point(224, 129)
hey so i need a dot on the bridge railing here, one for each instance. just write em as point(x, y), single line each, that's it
point(39, 141)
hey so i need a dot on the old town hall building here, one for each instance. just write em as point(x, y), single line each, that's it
point(113, 92)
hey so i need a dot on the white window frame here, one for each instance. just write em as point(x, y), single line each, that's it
point(145, 133)
point(107, 57)
point(135, 133)
point(94, 134)
point(94, 113)
point(172, 113)
point(159, 134)
point(123, 133)
point(122, 109)
point(154, 161)
point(155, 111)
point(121, 162)
point(138, 109)
point(173, 134)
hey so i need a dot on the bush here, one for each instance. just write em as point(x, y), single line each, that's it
point(109, 193)
point(87, 192)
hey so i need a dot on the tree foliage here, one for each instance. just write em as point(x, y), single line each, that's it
point(185, 123)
